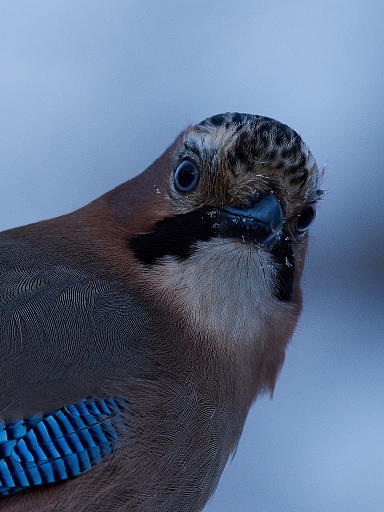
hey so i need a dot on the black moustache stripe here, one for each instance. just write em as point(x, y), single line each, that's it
point(285, 274)
point(173, 236)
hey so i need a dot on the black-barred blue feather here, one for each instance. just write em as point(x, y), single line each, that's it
point(57, 446)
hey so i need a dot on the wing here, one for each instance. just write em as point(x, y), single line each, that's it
point(65, 331)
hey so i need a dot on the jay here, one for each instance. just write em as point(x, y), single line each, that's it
point(136, 332)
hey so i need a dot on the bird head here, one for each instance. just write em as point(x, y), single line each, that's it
point(239, 178)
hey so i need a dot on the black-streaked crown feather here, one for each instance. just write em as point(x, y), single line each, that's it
point(269, 142)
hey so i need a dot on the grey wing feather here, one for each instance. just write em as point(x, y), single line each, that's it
point(64, 332)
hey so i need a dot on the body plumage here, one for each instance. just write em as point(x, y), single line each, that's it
point(177, 292)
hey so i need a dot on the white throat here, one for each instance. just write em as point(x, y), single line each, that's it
point(225, 289)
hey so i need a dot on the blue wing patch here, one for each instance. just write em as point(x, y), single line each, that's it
point(57, 446)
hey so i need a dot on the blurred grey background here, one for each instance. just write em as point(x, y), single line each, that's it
point(93, 91)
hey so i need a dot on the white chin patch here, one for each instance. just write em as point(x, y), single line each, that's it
point(225, 289)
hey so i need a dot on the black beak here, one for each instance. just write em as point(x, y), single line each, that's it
point(260, 223)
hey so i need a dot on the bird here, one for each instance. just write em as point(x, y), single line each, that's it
point(137, 331)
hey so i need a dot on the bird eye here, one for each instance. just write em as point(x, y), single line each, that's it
point(186, 176)
point(305, 219)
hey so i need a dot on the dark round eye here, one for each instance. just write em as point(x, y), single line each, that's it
point(186, 176)
point(305, 219)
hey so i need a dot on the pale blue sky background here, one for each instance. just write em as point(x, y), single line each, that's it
point(93, 91)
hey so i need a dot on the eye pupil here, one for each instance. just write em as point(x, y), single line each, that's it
point(186, 176)
point(305, 219)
